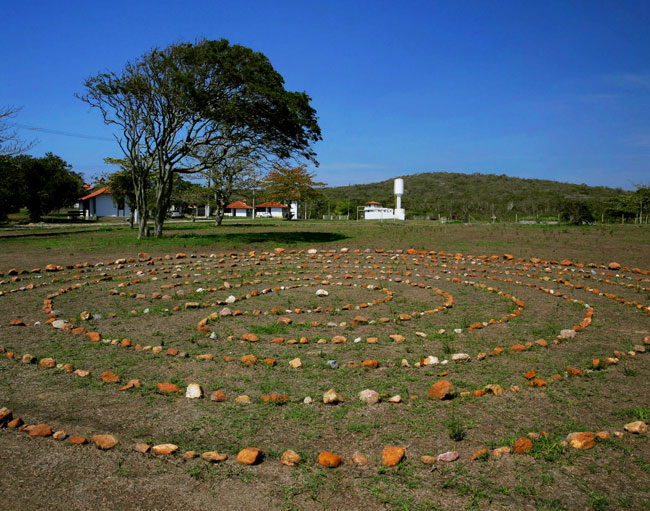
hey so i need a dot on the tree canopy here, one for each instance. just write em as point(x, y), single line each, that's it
point(185, 108)
point(291, 184)
point(41, 185)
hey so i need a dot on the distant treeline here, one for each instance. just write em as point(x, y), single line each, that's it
point(480, 197)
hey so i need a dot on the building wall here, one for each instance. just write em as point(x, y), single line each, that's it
point(378, 213)
point(103, 205)
point(277, 212)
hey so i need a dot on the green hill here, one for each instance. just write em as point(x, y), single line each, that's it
point(455, 195)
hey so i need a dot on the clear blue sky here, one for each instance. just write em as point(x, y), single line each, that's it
point(556, 90)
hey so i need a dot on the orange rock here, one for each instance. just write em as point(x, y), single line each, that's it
point(40, 430)
point(249, 456)
point(479, 393)
point(538, 382)
point(573, 371)
point(370, 363)
point(290, 458)
point(15, 423)
point(214, 457)
point(530, 374)
point(164, 449)
point(167, 388)
point(391, 455)
point(249, 360)
point(94, 336)
point(517, 347)
point(218, 396)
point(104, 442)
point(522, 445)
point(276, 398)
point(329, 459)
point(581, 440)
point(109, 377)
point(78, 440)
point(442, 389)
point(480, 454)
point(47, 363)
point(250, 337)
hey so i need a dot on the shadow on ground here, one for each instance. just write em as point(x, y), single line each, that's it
point(290, 237)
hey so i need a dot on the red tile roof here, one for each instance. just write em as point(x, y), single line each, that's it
point(97, 192)
point(238, 205)
point(373, 203)
point(271, 205)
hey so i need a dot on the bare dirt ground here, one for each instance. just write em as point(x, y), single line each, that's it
point(499, 279)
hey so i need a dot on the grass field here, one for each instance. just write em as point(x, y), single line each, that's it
point(439, 290)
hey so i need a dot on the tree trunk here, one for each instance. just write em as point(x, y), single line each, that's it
point(220, 201)
point(140, 188)
point(163, 196)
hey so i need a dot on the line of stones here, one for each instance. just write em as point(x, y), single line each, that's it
point(390, 456)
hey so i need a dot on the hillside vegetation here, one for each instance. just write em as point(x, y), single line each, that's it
point(455, 195)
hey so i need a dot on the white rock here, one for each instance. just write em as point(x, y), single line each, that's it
point(194, 391)
point(312, 251)
point(431, 361)
point(369, 396)
point(322, 292)
point(567, 334)
point(58, 323)
point(458, 330)
point(308, 400)
point(295, 363)
point(461, 357)
point(231, 299)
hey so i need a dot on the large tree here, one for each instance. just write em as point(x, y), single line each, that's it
point(291, 184)
point(173, 105)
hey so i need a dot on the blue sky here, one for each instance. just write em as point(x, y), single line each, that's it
point(553, 90)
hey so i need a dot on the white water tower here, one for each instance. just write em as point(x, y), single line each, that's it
point(398, 189)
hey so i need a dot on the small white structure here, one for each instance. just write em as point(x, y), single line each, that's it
point(100, 202)
point(398, 189)
point(374, 210)
point(238, 209)
point(293, 210)
point(275, 209)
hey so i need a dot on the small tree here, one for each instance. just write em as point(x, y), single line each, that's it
point(121, 185)
point(576, 212)
point(48, 184)
point(12, 186)
point(289, 184)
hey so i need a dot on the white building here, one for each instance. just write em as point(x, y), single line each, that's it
point(374, 211)
point(100, 202)
point(238, 209)
point(275, 209)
